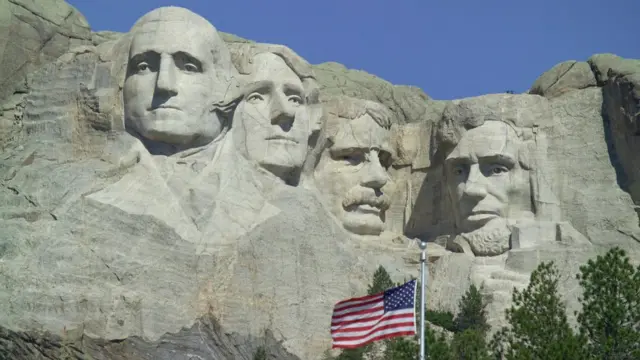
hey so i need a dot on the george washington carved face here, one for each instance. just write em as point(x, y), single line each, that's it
point(178, 67)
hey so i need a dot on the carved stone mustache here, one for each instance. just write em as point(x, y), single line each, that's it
point(365, 196)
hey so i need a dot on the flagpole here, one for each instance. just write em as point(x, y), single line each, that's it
point(423, 296)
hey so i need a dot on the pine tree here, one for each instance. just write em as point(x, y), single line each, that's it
point(469, 340)
point(437, 346)
point(472, 313)
point(401, 349)
point(381, 281)
point(610, 315)
point(538, 326)
point(444, 319)
point(471, 344)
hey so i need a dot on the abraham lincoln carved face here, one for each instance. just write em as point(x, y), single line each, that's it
point(488, 184)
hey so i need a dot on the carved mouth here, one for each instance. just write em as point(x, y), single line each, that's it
point(165, 107)
point(371, 206)
point(368, 209)
point(282, 138)
point(482, 215)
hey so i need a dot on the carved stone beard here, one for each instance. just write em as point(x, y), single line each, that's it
point(490, 240)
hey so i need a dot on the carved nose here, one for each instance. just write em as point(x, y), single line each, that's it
point(281, 113)
point(166, 81)
point(375, 176)
point(475, 186)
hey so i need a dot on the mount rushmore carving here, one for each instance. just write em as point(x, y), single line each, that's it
point(162, 175)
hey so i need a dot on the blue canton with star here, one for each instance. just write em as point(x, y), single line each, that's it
point(400, 297)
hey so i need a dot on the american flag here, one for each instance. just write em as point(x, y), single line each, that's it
point(359, 321)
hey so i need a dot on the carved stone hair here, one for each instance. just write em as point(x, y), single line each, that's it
point(191, 19)
point(350, 108)
point(243, 54)
point(523, 114)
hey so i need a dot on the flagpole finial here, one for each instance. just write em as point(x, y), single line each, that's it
point(422, 244)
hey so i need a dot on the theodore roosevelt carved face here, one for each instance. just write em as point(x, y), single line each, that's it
point(352, 170)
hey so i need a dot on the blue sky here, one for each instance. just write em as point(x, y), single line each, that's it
point(449, 48)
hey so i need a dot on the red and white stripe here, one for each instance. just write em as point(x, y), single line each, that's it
point(359, 321)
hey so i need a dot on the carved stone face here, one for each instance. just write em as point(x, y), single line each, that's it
point(170, 80)
point(271, 124)
point(484, 178)
point(352, 172)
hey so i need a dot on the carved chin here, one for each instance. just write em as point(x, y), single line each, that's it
point(491, 240)
point(363, 224)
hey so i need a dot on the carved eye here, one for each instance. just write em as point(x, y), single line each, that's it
point(498, 169)
point(254, 98)
point(458, 170)
point(142, 66)
point(189, 67)
point(295, 99)
point(353, 159)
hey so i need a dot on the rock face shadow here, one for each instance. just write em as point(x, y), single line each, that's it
point(621, 176)
point(204, 340)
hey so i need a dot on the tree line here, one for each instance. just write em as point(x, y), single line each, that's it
point(608, 324)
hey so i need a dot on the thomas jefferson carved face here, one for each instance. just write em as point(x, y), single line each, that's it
point(173, 75)
point(271, 123)
point(485, 180)
point(352, 172)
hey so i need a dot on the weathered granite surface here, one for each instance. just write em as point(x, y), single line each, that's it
point(219, 195)
point(204, 340)
point(33, 33)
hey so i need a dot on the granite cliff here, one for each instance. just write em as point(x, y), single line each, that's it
point(163, 200)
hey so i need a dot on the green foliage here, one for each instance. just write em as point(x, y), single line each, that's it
point(538, 326)
point(610, 315)
point(353, 354)
point(381, 281)
point(472, 313)
point(444, 319)
point(470, 330)
point(537, 322)
point(470, 344)
point(401, 348)
point(437, 346)
point(260, 354)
